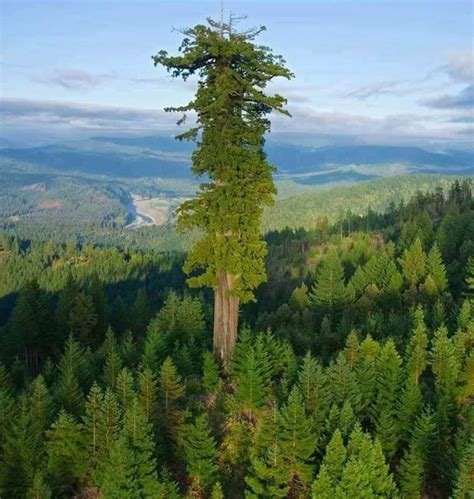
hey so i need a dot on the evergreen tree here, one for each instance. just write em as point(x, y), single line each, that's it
point(82, 318)
point(385, 408)
point(201, 455)
point(131, 469)
point(413, 263)
point(313, 387)
point(67, 457)
point(415, 459)
point(68, 389)
point(267, 472)
point(465, 479)
point(142, 312)
point(436, 268)
point(411, 400)
point(125, 388)
point(298, 443)
point(39, 489)
point(299, 299)
point(446, 369)
point(231, 110)
point(210, 374)
point(251, 389)
point(329, 292)
point(147, 393)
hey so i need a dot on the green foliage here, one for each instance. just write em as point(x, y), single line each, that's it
point(201, 455)
point(131, 468)
point(298, 442)
point(330, 292)
point(231, 110)
point(67, 456)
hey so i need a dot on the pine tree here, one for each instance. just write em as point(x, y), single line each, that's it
point(67, 457)
point(201, 455)
point(322, 487)
point(334, 458)
point(40, 407)
point(231, 112)
point(298, 442)
point(329, 292)
point(299, 299)
point(39, 488)
point(142, 312)
point(411, 400)
point(465, 480)
point(131, 468)
point(266, 476)
point(446, 369)
point(251, 389)
point(313, 387)
point(113, 362)
point(82, 318)
point(154, 348)
point(210, 374)
point(436, 268)
point(170, 391)
point(413, 263)
point(21, 454)
point(365, 371)
point(385, 408)
point(413, 464)
point(68, 389)
point(147, 393)
point(125, 388)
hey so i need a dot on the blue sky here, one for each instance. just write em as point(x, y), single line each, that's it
point(378, 72)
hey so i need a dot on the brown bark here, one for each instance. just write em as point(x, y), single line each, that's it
point(226, 317)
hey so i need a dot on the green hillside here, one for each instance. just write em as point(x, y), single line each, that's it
point(304, 210)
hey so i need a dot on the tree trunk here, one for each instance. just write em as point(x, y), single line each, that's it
point(226, 317)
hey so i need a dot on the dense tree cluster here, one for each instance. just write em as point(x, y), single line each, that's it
point(355, 381)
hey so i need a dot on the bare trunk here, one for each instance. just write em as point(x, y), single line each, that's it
point(226, 316)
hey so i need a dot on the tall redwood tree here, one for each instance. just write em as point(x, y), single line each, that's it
point(231, 111)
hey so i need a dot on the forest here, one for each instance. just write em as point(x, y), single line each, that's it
point(352, 375)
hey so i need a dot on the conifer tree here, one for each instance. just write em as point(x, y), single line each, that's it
point(411, 400)
point(413, 263)
point(148, 393)
point(465, 479)
point(68, 389)
point(387, 386)
point(131, 469)
point(267, 473)
point(125, 388)
point(446, 369)
point(412, 467)
point(298, 443)
point(39, 489)
point(170, 392)
point(365, 371)
point(40, 407)
point(82, 318)
point(251, 388)
point(201, 455)
point(436, 268)
point(67, 458)
point(299, 299)
point(210, 374)
point(231, 109)
point(313, 387)
point(329, 292)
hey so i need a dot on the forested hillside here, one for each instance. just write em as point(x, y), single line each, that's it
point(352, 376)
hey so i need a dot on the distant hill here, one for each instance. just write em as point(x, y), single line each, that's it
point(304, 210)
point(165, 157)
